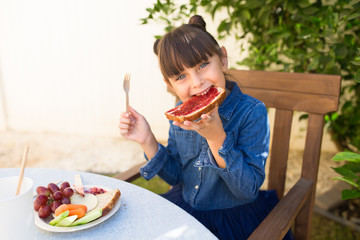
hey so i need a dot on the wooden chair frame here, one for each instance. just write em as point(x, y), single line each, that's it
point(315, 94)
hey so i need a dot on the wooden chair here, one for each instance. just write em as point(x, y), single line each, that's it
point(315, 94)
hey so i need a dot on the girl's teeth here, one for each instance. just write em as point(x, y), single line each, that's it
point(205, 92)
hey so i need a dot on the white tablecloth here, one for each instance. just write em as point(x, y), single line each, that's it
point(142, 215)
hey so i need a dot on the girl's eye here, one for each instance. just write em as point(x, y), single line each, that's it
point(204, 65)
point(182, 76)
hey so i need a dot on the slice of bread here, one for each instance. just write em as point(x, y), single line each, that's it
point(107, 200)
point(193, 108)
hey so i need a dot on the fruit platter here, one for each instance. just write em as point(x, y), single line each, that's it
point(62, 208)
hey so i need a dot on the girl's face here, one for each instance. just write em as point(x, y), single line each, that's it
point(197, 80)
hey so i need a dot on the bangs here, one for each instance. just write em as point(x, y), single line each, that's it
point(187, 46)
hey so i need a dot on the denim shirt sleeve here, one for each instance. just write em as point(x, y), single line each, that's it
point(165, 163)
point(245, 151)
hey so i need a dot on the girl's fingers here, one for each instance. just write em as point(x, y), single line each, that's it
point(206, 117)
point(188, 125)
point(125, 121)
point(127, 118)
point(124, 131)
point(134, 113)
point(179, 124)
point(123, 126)
point(124, 115)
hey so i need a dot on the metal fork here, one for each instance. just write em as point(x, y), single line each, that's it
point(126, 85)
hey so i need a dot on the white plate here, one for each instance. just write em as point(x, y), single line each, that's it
point(44, 223)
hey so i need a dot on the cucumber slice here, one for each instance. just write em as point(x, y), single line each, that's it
point(90, 216)
point(59, 218)
point(66, 221)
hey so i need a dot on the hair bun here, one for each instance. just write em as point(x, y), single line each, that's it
point(199, 21)
point(155, 47)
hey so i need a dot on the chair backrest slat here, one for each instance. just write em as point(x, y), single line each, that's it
point(280, 151)
point(292, 91)
point(301, 102)
point(318, 84)
point(309, 170)
point(312, 149)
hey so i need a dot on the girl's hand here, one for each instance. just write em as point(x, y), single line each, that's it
point(210, 125)
point(133, 126)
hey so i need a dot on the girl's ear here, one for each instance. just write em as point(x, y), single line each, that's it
point(224, 59)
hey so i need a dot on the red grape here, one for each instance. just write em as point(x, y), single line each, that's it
point(44, 211)
point(55, 205)
point(68, 192)
point(43, 190)
point(57, 195)
point(51, 197)
point(36, 206)
point(41, 199)
point(53, 187)
point(64, 185)
point(65, 200)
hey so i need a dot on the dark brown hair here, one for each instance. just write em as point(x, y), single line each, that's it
point(185, 46)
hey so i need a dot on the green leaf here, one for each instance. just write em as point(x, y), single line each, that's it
point(357, 63)
point(224, 26)
point(314, 63)
point(246, 14)
point(357, 76)
point(344, 171)
point(347, 180)
point(214, 10)
point(348, 156)
point(303, 3)
point(353, 16)
point(350, 194)
point(303, 116)
point(340, 51)
point(353, 2)
point(334, 116)
point(310, 10)
point(254, 4)
point(355, 167)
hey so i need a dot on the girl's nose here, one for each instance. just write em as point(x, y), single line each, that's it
point(197, 80)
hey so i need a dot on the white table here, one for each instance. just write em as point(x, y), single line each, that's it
point(142, 215)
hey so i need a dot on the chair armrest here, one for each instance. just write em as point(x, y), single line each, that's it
point(280, 219)
point(130, 174)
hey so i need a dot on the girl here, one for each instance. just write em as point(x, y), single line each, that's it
point(215, 165)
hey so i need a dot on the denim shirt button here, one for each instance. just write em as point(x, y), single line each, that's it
point(145, 174)
point(221, 147)
point(197, 186)
point(199, 168)
point(198, 162)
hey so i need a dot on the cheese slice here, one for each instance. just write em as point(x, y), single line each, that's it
point(89, 200)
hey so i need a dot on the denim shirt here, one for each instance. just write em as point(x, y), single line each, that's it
point(187, 158)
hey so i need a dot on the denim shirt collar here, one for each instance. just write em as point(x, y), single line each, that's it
point(227, 108)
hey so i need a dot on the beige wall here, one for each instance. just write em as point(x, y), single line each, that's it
point(62, 65)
